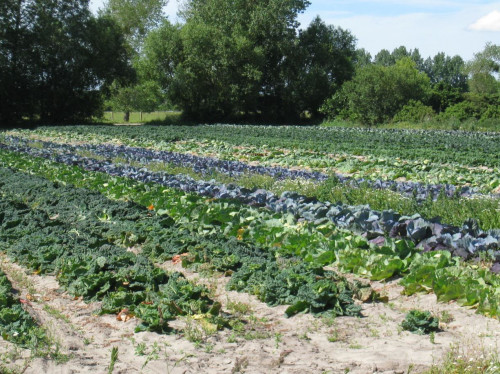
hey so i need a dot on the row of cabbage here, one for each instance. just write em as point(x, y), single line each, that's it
point(42, 230)
point(208, 165)
point(319, 242)
point(466, 241)
point(461, 172)
point(466, 148)
point(453, 209)
point(84, 238)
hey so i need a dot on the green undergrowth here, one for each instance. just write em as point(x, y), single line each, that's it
point(138, 117)
point(453, 211)
point(471, 357)
point(319, 243)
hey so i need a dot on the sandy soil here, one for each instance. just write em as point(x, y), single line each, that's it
point(267, 343)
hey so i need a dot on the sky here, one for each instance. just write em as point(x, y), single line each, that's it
point(453, 27)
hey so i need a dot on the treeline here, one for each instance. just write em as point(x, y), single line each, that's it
point(225, 61)
point(402, 86)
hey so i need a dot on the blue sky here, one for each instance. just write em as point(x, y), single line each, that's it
point(454, 27)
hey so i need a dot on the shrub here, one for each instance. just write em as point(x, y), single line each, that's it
point(462, 111)
point(414, 112)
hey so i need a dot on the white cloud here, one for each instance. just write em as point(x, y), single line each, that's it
point(490, 22)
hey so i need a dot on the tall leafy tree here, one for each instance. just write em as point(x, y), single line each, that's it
point(69, 45)
point(244, 65)
point(486, 61)
point(136, 18)
point(447, 79)
point(325, 60)
point(446, 69)
point(247, 57)
point(386, 58)
point(484, 69)
point(58, 58)
point(16, 73)
point(363, 58)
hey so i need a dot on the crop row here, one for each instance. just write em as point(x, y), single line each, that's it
point(366, 167)
point(454, 210)
point(207, 165)
point(105, 224)
point(463, 241)
point(51, 236)
point(319, 243)
point(467, 148)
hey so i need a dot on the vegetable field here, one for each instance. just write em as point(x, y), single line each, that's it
point(225, 249)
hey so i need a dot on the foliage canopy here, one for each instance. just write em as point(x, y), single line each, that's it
point(55, 59)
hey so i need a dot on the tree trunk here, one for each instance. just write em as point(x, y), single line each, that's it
point(126, 116)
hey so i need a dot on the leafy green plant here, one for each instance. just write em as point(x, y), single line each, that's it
point(16, 324)
point(420, 322)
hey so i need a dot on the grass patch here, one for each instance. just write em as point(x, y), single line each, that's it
point(56, 313)
point(238, 308)
point(141, 117)
point(469, 359)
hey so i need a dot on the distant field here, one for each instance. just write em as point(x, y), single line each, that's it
point(138, 117)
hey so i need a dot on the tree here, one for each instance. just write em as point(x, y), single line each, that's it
point(162, 53)
point(446, 69)
point(377, 93)
point(484, 84)
point(233, 57)
point(324, 59)
point(75, 55)
point(63, 54)
point(136, 18)
point(447, 79)
point(363, 58)
point(487, 61)
point(16, 77)
point(143, 97)
point(386, 58)
point(483, 69)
